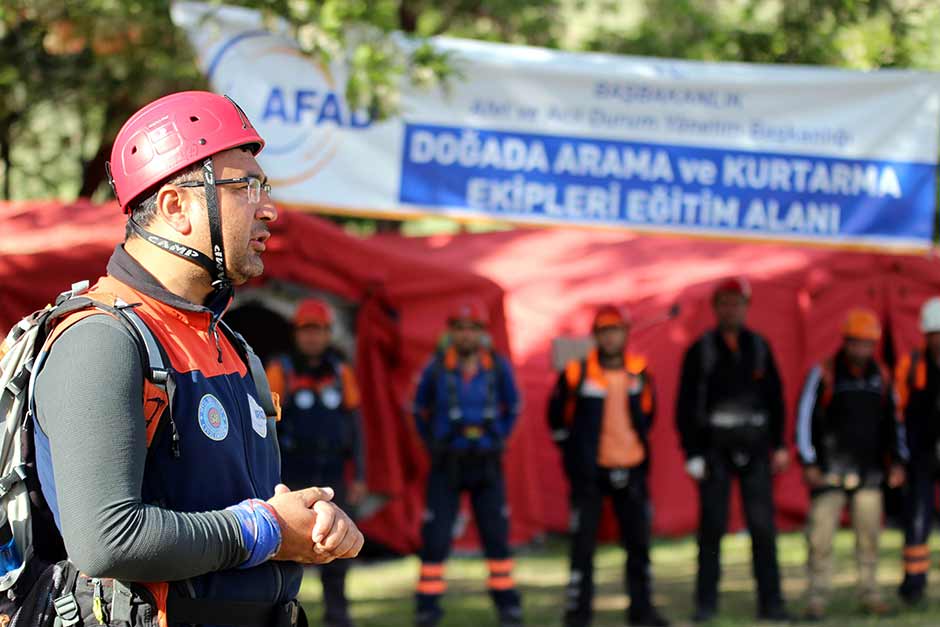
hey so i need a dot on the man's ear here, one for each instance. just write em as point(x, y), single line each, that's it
point(174, 207)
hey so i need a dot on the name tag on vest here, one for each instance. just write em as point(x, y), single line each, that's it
point(593, 390)
point(259, 420)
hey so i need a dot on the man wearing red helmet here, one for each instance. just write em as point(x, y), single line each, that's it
point(320, 429)
point(600, 414)
point(847, 427)
point(171, 474)
point(465, 408)
point(730, 417)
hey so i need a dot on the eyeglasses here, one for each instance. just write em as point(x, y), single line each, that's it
point(254, 186)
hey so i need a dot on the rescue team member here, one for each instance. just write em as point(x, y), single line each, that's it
point(847, 427)
point(320, 429)
point(202, 508)
point(730, 417)
point(465, 407)
point(600, 413)
point(918, 385)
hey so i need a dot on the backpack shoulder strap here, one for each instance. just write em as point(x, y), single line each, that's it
point(918, 372)
point(761, 350)
point(255, 367)
point(159, 387)
point(708, 353)
point(574, 374)
point(828, 376)
point(574, 379)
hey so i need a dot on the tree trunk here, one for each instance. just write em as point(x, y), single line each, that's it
point(93, 173)
point(388, 226)
point(5, 160)
point(407, 18)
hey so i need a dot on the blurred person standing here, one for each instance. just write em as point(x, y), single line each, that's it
point(600, 414)
point(847, 426)
point(320, 431)
point(730, 418)
point(918, 384)
point(465, 408)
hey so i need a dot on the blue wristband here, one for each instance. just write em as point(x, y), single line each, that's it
point(260, 530)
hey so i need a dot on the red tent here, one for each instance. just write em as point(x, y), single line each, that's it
point(402, 303)
point(555, 278)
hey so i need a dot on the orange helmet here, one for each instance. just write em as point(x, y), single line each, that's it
point(862, 324)
point(469, 311)
point(610, 316)
point(313, 311)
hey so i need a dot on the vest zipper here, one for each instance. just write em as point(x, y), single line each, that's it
point(174, 438)
point(214, 330)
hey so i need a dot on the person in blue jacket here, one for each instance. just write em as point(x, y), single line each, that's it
point(465, 408)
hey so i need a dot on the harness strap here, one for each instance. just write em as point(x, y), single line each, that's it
point(256, 368)
point(68, 613)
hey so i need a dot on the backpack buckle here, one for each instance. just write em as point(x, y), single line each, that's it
point(11, 479)
point(77, 289)
point(67, 611)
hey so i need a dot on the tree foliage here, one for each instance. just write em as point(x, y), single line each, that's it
point(71, 73)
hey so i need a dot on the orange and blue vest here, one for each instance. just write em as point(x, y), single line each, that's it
point(319, 430)
point(215, 448)
point(576, 411)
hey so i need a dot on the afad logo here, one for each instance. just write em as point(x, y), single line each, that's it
point(294, 102)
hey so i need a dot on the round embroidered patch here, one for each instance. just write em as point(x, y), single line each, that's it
point(212, 418)
point(331, 398)
point(304, 399)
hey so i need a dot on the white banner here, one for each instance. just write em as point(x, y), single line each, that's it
point(538, 136)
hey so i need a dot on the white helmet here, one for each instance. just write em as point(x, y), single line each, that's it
point(930, 316)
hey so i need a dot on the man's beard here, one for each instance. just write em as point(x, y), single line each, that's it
point(731, 325)
point(466, 350)
point(857, 361)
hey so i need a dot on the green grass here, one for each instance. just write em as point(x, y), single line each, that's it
point(381, 593)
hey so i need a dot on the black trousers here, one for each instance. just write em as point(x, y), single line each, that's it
point(627, 490)
point(753, 473)
point(481, 476)
point(920, 497)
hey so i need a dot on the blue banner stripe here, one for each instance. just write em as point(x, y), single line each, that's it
point(580, 180)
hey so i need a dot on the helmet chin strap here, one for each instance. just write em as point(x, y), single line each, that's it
point(214, 265)
point(220, 280)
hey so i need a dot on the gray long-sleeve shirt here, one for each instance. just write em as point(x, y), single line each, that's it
point(88, 399)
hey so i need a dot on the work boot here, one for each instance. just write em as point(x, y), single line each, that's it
point(814, 612)
point(510, 617)
point(777, 614)
point(912, 598)
point(877, 607)
point(428, 618)
point(704, 614)
point(576, 619)
point(649, 618)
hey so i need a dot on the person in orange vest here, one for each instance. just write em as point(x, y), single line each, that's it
point(320, 431)
point(730, 415)
point(918, 384)
point(600, 414)
point(847, 426)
